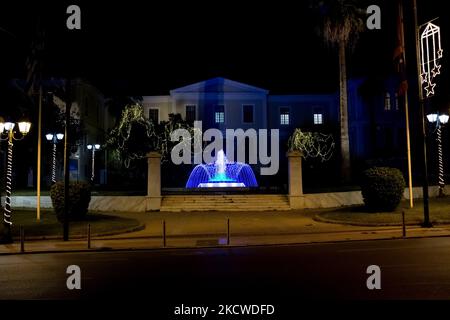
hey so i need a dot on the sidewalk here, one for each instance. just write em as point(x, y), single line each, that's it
point(209, 229)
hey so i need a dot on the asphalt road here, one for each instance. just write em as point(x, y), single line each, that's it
point(410, 269)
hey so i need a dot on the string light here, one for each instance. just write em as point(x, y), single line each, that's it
point(7, 209)
point(54, 164)
point(312, 144)
point(441, 163)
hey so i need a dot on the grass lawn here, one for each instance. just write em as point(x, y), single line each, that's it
point(49, 226)
point(358, 215)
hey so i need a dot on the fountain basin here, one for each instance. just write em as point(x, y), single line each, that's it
point(222, 174)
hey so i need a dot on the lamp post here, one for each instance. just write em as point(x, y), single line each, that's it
point(428, 54)
point(54, 139)
point(8, 134)
point(93, 147)
point(440, 120)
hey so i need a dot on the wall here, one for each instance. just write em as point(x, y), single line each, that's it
point(138, 203)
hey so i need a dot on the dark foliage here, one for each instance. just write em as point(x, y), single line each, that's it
point(382, 188)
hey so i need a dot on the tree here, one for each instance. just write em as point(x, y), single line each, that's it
point(312, 144)
point(135, 135)
point(342, 22)
point(117, 103)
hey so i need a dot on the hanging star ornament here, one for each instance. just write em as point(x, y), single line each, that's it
point(430, 53)
point(423, 78)
point(430, 89)
point(436, 70)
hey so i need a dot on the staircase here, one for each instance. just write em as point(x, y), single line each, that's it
point(224, 202)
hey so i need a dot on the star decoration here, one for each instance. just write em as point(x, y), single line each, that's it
point(430, 89)
point(440, 53)
point(436, 70)
point(424, 77)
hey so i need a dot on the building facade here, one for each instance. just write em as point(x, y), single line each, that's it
point(376, 120)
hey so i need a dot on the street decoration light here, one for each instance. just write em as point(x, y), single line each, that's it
point(54, 138)
point(428, 55)
point(430, 52)
point(93, 147)
point(440, 120)
point(7, 133)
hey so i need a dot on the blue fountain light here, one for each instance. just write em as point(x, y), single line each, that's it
point(222, 174)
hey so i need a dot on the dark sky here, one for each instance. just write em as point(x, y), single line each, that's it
point(150, 47)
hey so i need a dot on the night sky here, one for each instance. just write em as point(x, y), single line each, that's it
point(149, 47)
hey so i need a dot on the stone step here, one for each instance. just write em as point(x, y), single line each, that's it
point(209, 198)
point(224, 203)
point(247, 205)
point(178, 209)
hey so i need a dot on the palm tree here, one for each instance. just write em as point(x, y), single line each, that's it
point(342, 22)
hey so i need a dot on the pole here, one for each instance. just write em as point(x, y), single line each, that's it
point(7, 210)
point(408, 139)
point(66, 164)
point(164, 233)
point(408, 148)
point(403, 224)
point(228, 231)
point(441, 162)
point(54, 161)
point(89, 236)
point(22, 239)
point(426, 210)
point(39, 150)
point(93, 163)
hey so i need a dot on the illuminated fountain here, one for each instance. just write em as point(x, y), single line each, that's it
point(222, 174)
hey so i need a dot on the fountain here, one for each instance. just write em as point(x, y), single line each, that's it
point(222, 174)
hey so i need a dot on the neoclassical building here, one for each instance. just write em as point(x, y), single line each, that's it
point(376, 122)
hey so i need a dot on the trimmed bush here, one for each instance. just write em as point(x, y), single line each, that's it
point(382, 188)
point(79, 198)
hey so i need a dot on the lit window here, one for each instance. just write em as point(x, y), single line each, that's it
point(247, 110)
point(387, 102)
point(190, 113)
point(284, 116)
point(318, 118)
point(219, 114)
point(153, 115)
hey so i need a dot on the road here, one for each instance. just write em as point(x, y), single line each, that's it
point(410, 269)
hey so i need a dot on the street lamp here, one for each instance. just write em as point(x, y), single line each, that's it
point(8, 134)
point(54, 138)
point(440, 120)
point(93, 147)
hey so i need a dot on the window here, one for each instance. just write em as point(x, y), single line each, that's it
point(219, 114)
point(387, 102)
point(190, 113)
point(153, 115)
point(284, 116)
point(247, 110)
point(318, 118)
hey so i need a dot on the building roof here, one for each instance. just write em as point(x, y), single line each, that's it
point(221, 85)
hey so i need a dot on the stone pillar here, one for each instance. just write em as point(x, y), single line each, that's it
point(296, 198)
point(153, 181)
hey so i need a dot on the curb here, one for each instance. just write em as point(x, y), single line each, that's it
point(139, 227)
point(318, 218)
point(106, 237)
point(231, 246)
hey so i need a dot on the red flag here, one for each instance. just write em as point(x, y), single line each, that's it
point(399, 52)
